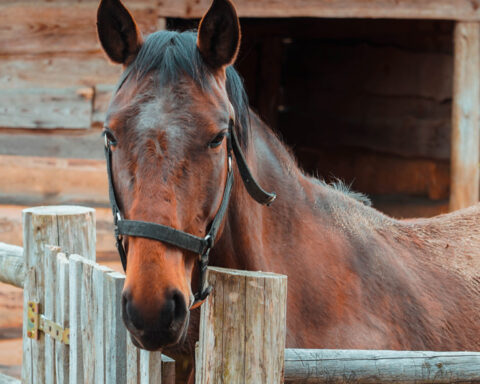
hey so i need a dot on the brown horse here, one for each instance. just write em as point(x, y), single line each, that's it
point(356, 278)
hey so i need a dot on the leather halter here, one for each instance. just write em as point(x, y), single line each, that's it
point(175, 237)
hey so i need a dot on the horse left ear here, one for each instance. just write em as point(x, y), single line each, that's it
point(219, 35)
point(119, 34)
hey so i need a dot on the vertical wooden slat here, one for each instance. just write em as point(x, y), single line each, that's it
point(49, 310)
point(115, 336)
point(464, 184)
point(168, 370)
point(87, 321)
point(242, 328)
point(133, 362)
point(99, 324)
point(75, 284)
point(62, 316)
point(150, 367)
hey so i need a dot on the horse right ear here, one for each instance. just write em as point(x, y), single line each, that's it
point(120, 37)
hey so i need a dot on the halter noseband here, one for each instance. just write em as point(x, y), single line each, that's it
point(180, 239)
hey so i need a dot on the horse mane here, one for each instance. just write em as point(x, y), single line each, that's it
point(172, 54)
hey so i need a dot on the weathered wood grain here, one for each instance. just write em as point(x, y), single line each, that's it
point(85, 144)
point(407, 9)
point(52, 180)
point(62, 316)
point(115, 336)
point(168, 370)
point(357, 366)
point(46, 108)
point(150, 367)
point(38, 71)
point(41, 226)
point(50, 309)
point(4, 379)
point(11, 228)
point(76, 348)
point(242, 325)
point(464, 187)
point(12, 265)
point(133, 362)
point(59, 28)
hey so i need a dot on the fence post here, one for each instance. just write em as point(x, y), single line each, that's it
point(242, 328)
point(73, 230)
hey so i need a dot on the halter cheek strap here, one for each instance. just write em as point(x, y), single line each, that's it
point(175, 237)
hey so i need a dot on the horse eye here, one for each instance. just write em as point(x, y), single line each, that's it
point(217, 140)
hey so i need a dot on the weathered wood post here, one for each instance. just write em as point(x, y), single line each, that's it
point(242, 328)
point(464, 183)
point(73, 230)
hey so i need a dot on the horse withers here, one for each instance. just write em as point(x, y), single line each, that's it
point(356, 278)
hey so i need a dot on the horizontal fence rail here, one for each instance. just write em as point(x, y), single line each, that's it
point(12, 269)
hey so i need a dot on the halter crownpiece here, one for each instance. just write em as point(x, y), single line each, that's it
point(175, 237)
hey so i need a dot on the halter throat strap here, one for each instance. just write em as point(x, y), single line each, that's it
point(178, 238)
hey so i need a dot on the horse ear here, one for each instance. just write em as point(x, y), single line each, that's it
point(219, 34)
point(120, 37)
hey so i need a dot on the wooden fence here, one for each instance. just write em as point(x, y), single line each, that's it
point(73, 332)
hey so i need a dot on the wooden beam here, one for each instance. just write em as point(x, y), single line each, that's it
point(242, 328)
point(60, 28)
point(464, 190)
point(12, 269)
point(40, 180)
point(357, 366)
point(405, 9)
point(46, 108)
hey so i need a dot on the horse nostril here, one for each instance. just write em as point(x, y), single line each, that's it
point(174, 311)
point(130, 312)
point(180, 306)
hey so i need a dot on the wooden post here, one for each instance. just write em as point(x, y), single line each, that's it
point(71, 228)
point(464, 184)
point(242, 328)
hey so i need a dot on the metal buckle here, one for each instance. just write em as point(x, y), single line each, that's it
point(106, 141)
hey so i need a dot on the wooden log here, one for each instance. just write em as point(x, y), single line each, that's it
point(87, 144)
point(407, 9)
point(242, 328)
point(46, 108)
point(60, 28)
point(4, 379)
point(53, 181)
point(357, 366)
point(465, 116)
point(12, 270)
point(69, 227)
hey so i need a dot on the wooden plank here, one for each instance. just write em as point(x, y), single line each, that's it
point(53, 181)
point(82, 70)
point(62, 316)
point(407, 9)
point(150, 367)
point(40, 227)
point(465, 116)
point(13, 266)
point(59, 28)
point(168, 370)
point(87, 319)
point(357, 366)
point(115, 338)
point(86, 144)
point(49, 309)
point(46, 108)
point(242, 328)
point(133, 362)
point(75, 305)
